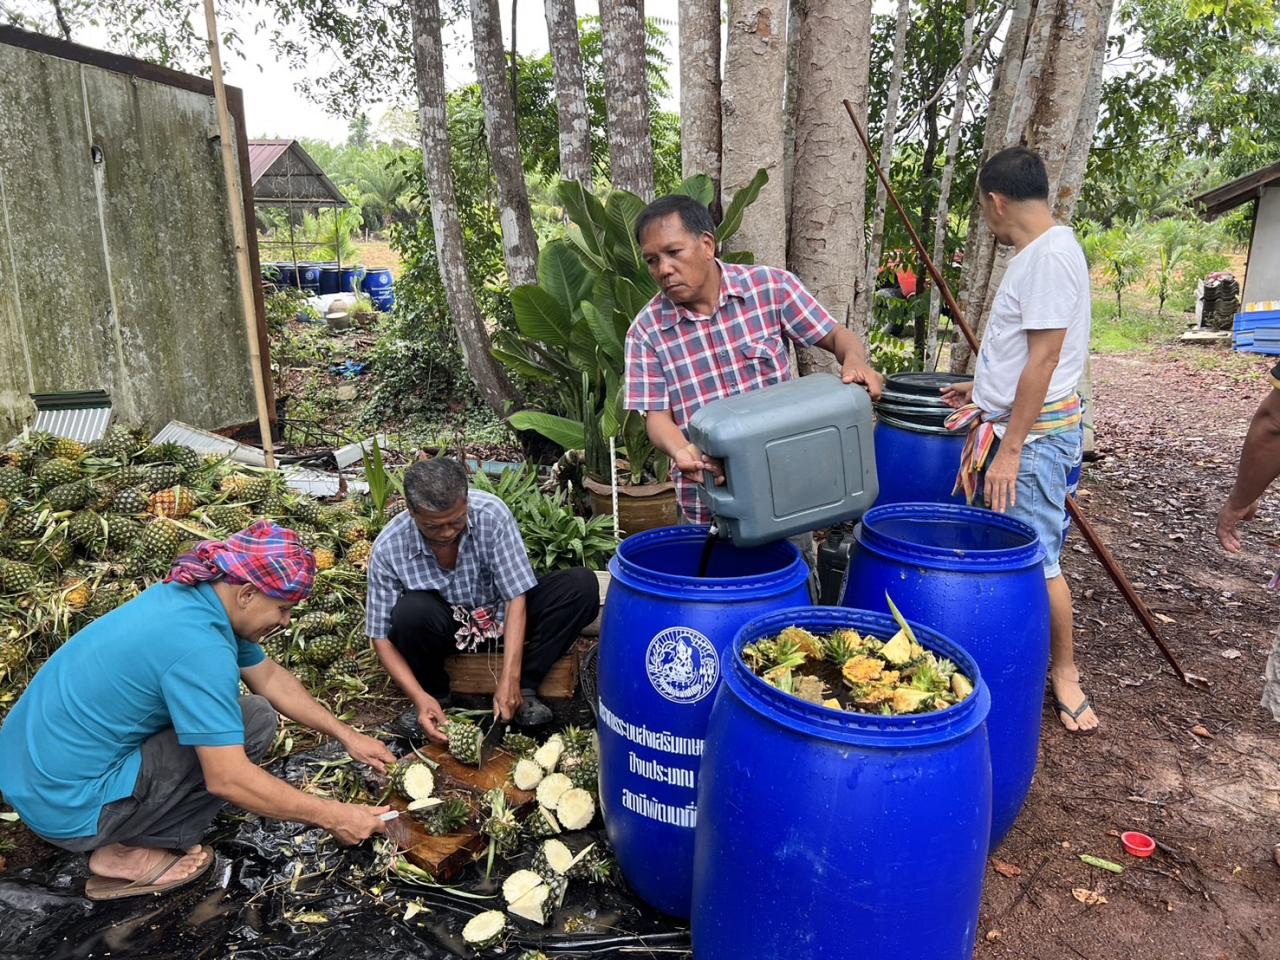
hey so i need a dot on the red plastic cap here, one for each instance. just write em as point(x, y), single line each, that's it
point(1137, 844)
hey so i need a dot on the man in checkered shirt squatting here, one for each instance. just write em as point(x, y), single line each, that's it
point(450, 575)
point(716, 329)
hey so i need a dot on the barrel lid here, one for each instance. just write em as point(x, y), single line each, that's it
point(923, 384)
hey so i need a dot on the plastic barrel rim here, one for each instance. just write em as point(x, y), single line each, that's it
point(1012, 544)
point(778, 561)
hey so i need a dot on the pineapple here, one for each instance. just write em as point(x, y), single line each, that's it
point(256, 489)
point(500, 826)
point(529, 896)
point(122, 533)
point(519, 745)
point(234, 483)
point(129, 500)
point(16, 576)
point(306, 509)
point(18, 457)
point(131, 476)
point(343, 667)
point(14, 484)
point(56, 472)
point(326, 559)
point(68, 496)
point(117, 444)
point(186, 459)
point(581, 760)
point(552, 859)
point(413, 780)
point(354, 531)
point(56, 552)
point(176, 501)
point(575, 809)
point(159, 476)
point(25, 525)
point(842, 645)
point(67, 449)
point(228, 517)
point(526, 774)
point(323, 650)
point(13, 654)
point(359, 553)
point(485, 930)
point(464, 740)
point(447, 817)
point(548, 755)
point(160, 542)
point(273, 506)
point(541, 823)
point(315, 623)
point(552, 787)
point(78, 594)
point(88, 530)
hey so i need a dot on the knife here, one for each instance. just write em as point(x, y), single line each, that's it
point(397, 829)
point(492, 740)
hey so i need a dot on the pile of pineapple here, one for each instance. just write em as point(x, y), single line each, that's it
point(83, 529)
point(563, 773)
point(846, 670)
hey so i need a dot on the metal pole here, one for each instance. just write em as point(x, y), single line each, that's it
point(235, 203)
point(1100, 549)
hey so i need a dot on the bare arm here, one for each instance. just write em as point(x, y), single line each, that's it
point(507, 698)
point(288, 696)
point(231, 775)
point(1259, 466)
point(1001, 481)
point(429, 713)
point(845, 346)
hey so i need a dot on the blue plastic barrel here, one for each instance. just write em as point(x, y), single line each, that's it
point(379, 286)
point(308, 278)
point(829, 835)
point(978, 577)
point(330, 278)
point(350, 279)
point(661, 640)
point(916, 455)
point(288, 276)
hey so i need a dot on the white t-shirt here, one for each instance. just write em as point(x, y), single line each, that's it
point(1046, 287)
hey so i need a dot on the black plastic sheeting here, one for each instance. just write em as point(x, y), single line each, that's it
point(277, 890)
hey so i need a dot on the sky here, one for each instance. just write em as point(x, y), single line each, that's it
point(274, 108)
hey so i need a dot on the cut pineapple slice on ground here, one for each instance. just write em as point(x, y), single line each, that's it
point(553, 857)
point(527, 774)
point(519, 884)
point(575, 809)
point(550, 789)
point(541, 823)
point(548, 755)
point(534, 905)
point(485, 930)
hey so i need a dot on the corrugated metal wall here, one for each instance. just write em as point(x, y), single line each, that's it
point(117, 267)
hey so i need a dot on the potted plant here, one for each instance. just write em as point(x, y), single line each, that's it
point(570, 329)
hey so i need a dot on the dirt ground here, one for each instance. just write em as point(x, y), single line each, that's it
point(1199, 771)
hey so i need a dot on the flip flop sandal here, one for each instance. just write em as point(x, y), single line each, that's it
point(109, 888)
point(1075, 715)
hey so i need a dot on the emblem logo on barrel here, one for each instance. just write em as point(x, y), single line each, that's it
point(682, 664)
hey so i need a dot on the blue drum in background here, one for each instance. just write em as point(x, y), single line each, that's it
point(378, 284)
point(350, 279)
point(330, 278)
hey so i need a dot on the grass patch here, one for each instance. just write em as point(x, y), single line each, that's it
point(1138, 329)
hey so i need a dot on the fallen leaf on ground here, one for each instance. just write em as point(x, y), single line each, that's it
point(1090, 897)
point(1201, 731)
point(1006, 869)
point(1165, 619)
point(1231, 654)
point(993, 935)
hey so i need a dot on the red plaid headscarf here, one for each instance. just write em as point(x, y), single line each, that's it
point(270, 558)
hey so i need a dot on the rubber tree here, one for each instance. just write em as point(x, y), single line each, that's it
point(519, 241)
point(473, 337)
point(571, 91)
point(826, 243)
point(753, 122)
point(626, 89)
point(700, 89)
point(1041, 100)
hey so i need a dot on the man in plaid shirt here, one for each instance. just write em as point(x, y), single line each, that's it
point(450, 575)
point(716, 329)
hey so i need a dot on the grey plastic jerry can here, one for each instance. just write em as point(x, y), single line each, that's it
point(798, 456)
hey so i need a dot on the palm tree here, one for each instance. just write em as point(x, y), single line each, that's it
point(379, 188)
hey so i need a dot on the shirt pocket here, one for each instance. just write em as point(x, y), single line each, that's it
point(764, 356)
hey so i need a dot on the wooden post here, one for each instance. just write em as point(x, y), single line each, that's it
point(239, 230)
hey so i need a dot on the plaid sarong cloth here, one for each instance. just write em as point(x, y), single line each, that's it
point(1057, 417)
point(476, 627)
point(269, 557)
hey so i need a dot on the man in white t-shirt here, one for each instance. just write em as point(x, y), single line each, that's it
point(1022, 403)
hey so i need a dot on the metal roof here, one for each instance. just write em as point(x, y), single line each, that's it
point(283, 174)
point(1214, 203)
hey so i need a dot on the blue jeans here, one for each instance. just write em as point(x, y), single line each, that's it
point(1044, 480)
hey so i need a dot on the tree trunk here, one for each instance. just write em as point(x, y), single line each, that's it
point(1054, 73)
point(519, 242)
point(888, 131)
point(927, 162)
point(944, 189)
point(795, 16)
point(487, 373)
point(754, 122)
point(626, 89)
point(828, 202)
point(1073, 170)
point(571, 91)
point(700, 89)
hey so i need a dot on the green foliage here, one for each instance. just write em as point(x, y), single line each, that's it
point(570, 327)
point(1120, 253)
point(1171, 239)
point(554, 536)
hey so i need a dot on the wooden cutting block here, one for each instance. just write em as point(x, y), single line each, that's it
point(443, 857)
